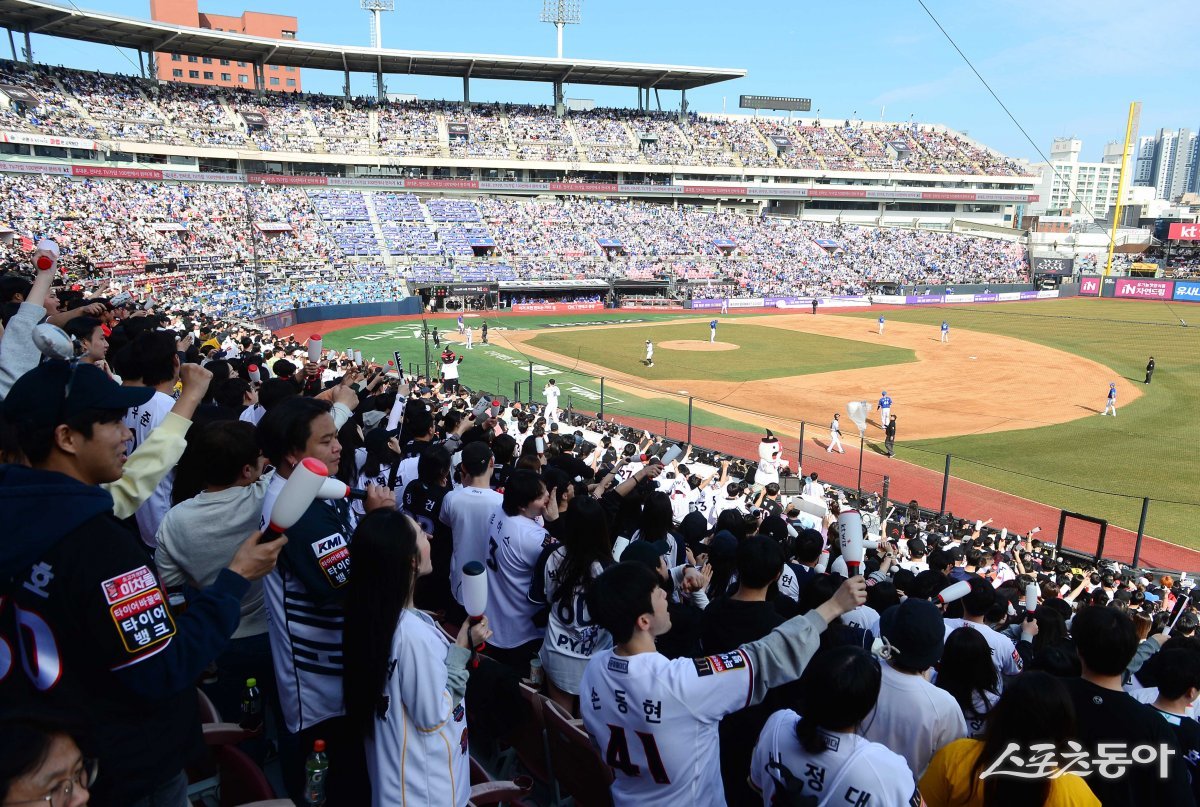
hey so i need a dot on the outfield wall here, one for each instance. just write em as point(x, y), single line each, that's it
point(1134, 288)
point(320, 313)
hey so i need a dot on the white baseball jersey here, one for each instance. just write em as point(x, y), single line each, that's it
point(551, 393)
point(649, 350)
point(914, 717)
point(1004, 652)
point(468, 512)
point(418, 754)
point(570, 630)
point(142, 420)
point(514, 543)
point(850, 771)
point(654, 721)
point(682, 497)
point(706, 503)
point(727, 502)
point(628, 470)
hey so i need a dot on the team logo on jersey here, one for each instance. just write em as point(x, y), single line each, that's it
point(619, 665)
point(138, 609)
point(333, 553)
point(720, 663)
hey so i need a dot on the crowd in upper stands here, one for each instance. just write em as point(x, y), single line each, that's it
point(306, 244)
point(113, 107)
point(660, 621)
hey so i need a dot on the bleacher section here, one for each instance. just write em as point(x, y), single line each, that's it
point(131, 110)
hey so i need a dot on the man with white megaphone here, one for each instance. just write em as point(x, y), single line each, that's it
point(977, 599)
point(304, 594)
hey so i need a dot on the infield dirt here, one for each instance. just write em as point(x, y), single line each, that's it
point(976, 383)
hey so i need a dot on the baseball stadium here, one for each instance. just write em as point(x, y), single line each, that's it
point(578, 236)
point(790, 298)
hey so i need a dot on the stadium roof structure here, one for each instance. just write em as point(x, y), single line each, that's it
point(71, 22)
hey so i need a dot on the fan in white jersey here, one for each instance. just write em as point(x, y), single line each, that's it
point(376, 463)
point(571, 636)
point(818, 753)
point(516, 537)
point(654, 719)
point(404, 680)
point(976, 605)
point(467, 511)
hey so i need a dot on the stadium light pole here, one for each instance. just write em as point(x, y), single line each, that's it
point(376, 7)
point(559, 13)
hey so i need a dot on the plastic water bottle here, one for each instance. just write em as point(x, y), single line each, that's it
point(252, 706)
point(315, 770)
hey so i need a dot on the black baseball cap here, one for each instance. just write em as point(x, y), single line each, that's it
point(916, 632)
point(40, 396)
point(475, 457)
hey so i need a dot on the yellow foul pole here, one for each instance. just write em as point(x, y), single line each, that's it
point(1135, 112)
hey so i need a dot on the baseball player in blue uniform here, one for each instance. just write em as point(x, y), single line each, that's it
point(1111, 403)
point(881, 329)
point(945, 331)
point(885, 407)
point(712, 331)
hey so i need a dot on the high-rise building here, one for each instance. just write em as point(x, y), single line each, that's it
point(1168, 162)
point(223, 72)
point(1081, 189)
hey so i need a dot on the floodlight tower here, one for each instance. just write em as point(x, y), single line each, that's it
point(375, 7)
point(560, 13)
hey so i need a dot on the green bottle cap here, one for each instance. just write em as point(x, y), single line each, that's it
point(251, 682)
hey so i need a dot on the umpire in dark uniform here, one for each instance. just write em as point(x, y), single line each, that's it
point(1149, 370)
point(889, 436)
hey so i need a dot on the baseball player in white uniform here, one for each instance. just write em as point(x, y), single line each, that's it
point(1110, 404)
point(835, 435)
point(654, 719)
point(724, 305)
point(551, 392)
point(470, 338)
point(885, 408)
point(649, 353)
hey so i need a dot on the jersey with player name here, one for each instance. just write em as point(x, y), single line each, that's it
point(570, 629)
point(851, 771)
point(655, 722)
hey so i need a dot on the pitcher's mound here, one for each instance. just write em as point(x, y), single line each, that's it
point(697, 344)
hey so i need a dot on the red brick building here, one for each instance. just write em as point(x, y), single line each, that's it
point(223, 72)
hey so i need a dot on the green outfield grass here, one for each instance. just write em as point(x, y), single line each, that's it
point(498, 370)
point(1152, 448)
point(762, 352)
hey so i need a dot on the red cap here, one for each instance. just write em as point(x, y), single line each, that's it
point(319, 746)
point(316, 337)
point(495, 403)
point(391, 363)
point(253, 368)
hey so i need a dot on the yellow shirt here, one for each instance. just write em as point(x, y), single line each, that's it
point(947, 781)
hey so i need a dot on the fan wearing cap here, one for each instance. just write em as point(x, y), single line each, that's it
point(913, 717)
point(655, 719)
point(1110, 403)
point(108, 648)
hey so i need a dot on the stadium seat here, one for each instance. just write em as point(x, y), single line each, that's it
point(578, 768)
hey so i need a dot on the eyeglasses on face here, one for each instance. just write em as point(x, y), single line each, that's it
point(60, 793)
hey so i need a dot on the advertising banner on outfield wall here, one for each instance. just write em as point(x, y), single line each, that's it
point(705, 304)
point(1144, 289)
point(924, 299)
point(989, 298)
point(960, 298)
point(555, 308)
point(1089, 286)
point(1187, 290)
point(1008, 296)
point(1058, 267)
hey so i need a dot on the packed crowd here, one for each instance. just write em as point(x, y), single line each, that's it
point(89, 104)
point(104, 224)
point(354, 565)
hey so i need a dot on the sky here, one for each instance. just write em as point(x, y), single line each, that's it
point(1062, 67)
